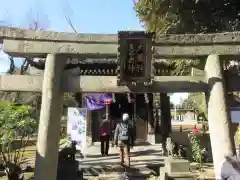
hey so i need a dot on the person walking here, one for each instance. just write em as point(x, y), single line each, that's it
point(105, 130)
point(124, 139)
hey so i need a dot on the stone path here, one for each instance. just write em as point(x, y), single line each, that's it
point(145, 161)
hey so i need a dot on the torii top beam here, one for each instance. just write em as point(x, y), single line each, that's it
point(21, 42)
point(164, 39)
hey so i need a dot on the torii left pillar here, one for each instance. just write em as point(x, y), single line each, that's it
point(49, 124)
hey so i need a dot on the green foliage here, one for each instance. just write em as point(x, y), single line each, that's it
point(197, 154)
point(4, 103)
point(183, 67)
point(16, 124)
point(15, 119)
point(188, 16)
point(197, 102)
point(69, 99)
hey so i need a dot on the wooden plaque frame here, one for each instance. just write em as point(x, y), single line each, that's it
point(124, 40)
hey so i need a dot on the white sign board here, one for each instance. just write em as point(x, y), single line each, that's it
point(76, 127)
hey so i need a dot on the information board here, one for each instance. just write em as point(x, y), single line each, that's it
point(76, 127)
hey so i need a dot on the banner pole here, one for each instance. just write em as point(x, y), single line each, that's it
point(86, 133)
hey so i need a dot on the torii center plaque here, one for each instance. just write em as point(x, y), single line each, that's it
point(135, 57)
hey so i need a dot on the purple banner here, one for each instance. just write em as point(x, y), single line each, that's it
point(95, 101)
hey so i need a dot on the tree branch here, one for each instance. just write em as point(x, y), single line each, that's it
point(70, 23)
point(12, 65)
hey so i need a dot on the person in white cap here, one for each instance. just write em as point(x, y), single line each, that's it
point(124, 139)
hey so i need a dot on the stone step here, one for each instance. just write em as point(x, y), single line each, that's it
point(182, 176)
point(122, 176)
point(116, 172)
point(115, 178)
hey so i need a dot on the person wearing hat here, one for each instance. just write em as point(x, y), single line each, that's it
point(124, 139)
point(105, 131)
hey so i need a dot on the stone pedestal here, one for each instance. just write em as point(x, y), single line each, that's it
point(176, 169)
point(176, 165)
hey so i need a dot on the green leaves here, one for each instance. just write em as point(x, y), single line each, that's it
point(196, 149)
point(197, 102)
point(15, 122)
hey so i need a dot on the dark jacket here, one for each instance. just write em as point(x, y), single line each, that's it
point(131, 133)
point(105, 127)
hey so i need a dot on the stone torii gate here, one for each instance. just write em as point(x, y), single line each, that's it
point(57, 47)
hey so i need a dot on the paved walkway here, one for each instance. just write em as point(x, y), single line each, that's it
point(145, 161)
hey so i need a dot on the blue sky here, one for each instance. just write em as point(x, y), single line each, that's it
point(88, 16)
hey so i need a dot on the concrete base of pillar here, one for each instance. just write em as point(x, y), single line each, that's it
point(176, 169)
point(154, 138)
point(174, 165)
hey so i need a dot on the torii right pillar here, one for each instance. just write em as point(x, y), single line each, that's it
point(218, 114)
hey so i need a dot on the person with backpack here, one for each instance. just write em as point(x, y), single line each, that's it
point(105, 131)
point(124, 139)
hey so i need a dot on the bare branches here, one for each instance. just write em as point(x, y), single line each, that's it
point(12, 65)
point(5, 20)
point(36, 23)
point(24, 66)
point(70, 23)
point(36, 19)
point(67, 10)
